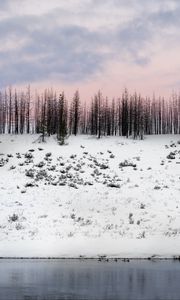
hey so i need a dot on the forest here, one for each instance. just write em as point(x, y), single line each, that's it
point(130, 115)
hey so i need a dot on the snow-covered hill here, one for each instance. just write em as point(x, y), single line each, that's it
point(113, 196)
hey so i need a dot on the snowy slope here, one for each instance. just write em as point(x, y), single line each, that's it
point(113, 196)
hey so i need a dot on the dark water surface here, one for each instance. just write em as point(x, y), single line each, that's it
point(89, 280)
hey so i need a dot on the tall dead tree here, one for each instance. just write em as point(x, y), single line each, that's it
point(125, 114)
point(62, 119)
point(99, 103)
point(28, 100)
point(75, 113)
point(16, 112)
point(10, 111)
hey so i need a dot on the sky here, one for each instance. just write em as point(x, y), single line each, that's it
point(90, 45)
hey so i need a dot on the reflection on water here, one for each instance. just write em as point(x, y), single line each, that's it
point(74, 279)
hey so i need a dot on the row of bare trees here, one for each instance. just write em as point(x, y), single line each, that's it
point(49, 114)
point(15, 112)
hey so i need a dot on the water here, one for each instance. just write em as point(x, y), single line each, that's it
point(89, 280)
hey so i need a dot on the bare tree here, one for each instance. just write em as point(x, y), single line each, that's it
point(62, 119)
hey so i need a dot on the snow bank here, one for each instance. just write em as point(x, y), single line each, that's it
point(112, 196)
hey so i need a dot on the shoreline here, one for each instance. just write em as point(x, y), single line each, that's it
point(87, 249)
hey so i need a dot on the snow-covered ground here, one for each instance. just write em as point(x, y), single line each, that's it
point(114, 196)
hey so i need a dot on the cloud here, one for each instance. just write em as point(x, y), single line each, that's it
point(62, 44)
point(69, 52)
point(3, 4)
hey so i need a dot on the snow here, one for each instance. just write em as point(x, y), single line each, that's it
point(114, 196)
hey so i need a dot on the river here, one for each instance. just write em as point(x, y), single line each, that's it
point(89, 280)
